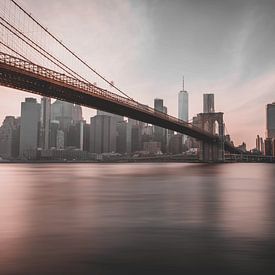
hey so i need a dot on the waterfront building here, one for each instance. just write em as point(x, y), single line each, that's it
point(159, 132)
point(175, 144)
point(152, 147)
point(75, 135)
point(77, 113)
point(136, 142)
point(103, 134)
point(60, 140)
point(9, 137)
point(259, 144)
point(129, 134)
point(270, 120)
point(70, 120)
point(268, 147)
point(54, 126)
point(45, 123)
point(63, 112)
point(242, 147)
point(86, 137)
point(121, 137)
point(29, 129)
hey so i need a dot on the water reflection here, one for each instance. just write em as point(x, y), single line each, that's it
point(137, 219)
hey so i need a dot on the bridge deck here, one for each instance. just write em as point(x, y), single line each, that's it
point(23, 75)
point(26, 76)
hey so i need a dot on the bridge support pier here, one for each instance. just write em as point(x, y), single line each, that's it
point(213, 123)
point(211, 152)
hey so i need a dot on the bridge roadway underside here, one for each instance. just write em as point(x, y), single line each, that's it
point(25, 81)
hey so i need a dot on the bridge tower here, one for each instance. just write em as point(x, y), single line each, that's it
point(214, 124)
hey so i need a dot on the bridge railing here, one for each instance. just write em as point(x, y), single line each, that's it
point(91, 89)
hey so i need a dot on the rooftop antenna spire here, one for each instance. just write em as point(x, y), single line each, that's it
point(183, 83)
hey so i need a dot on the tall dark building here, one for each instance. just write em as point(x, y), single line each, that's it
point(136, 138)
point(77, 113)
point(75, 135)
point(86, 137)
point(121, 137)
point(270, 120)
point(259, 144)
point(63, 112)
point(268, 147)
point(175, 144)
point(68, 116)
point(159, 132)
point(45, 121)
point(10, 137)
point(103, 134)
point(29, 129)
point(54, 126)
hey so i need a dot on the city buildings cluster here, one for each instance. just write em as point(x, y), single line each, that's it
point(267, 146)
point(57, 131)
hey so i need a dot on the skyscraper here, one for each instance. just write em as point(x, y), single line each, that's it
point(102, 113)
point(67, 114)
point(159, 132)
point(75, 135)
point(9, 137)
point(132, 123)
point(86, 136)
point(121, 137)
point(63, 112)
point(77, 113)
point(270, 120)
point(103, 134)
point(45, 120)
point(54, 126)
point(208, 103)
point(29, 130)
point(183, 104)
point(183, 108)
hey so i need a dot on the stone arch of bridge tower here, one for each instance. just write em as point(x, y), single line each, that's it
point(214, 124)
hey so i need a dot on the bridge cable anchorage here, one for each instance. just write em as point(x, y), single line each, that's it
point(71, 52)
point(73, 73)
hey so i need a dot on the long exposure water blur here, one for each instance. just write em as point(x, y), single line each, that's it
point(137, 218)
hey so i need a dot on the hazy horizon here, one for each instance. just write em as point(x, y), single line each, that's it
point(145, 47)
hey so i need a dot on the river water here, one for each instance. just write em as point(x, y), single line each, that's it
point(137, 218)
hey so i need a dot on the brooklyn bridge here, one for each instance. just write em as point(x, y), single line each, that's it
point(32, 59)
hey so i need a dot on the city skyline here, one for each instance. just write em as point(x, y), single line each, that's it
point(60, 125)
point(221, 65)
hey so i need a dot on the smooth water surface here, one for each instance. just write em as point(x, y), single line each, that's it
point(137, 219)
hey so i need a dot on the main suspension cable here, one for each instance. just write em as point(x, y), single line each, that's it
point(43, 50)
point(71, 52)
